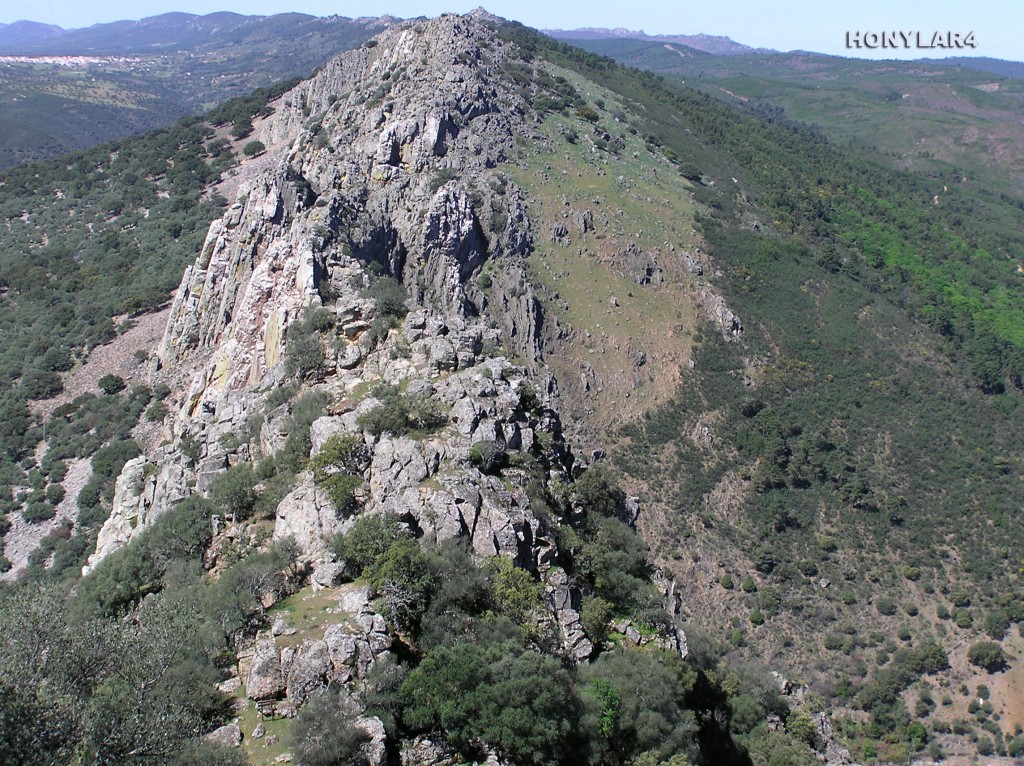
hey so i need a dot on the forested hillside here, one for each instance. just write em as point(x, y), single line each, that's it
point(854, 458)
point(522, 407)
point(955, 120)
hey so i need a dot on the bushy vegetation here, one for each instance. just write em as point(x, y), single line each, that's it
point(988, 655)
point(390, 298)
point(338, 467)
point(109, 231)
point(850, 213)
point(399, 414)
point(304, 353)
point(323, 735)
point(877, 325)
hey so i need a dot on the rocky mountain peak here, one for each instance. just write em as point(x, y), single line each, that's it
point(379, 153)
point(387, 162)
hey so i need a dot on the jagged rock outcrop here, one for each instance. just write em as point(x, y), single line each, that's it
point(307, 516)
point(265, 680)
point(393, 166)
point(719, 312)
point(145, 487)
point(393, 160)
point(564, 606)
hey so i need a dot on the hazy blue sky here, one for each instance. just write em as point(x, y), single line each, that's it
point(786, 24)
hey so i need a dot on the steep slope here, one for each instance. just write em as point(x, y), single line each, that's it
point(955, 119)
point(468, 256)
point(358, 389)
point(802, 461)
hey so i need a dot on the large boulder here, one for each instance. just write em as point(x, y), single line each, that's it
point(266, 680)
point(309, 670)
point(307, 515)
point(229, 736)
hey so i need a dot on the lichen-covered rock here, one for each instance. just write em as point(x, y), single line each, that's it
point(561, 601)
point(145, 488)
point(229, 735)
point(308, 671)
point(308, 517)
point(327, 575)
point(265, 680)
point(373, 752)
point(427, 752)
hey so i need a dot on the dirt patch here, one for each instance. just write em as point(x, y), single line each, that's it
point(23, 538)
point(249, 168)
point(114, 358)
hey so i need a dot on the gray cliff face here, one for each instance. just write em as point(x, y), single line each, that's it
point(393, 165)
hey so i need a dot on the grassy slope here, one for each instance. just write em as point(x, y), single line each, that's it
point(635, 200)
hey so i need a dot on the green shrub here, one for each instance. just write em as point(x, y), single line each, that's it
point(341, 489)
point(126, 576)
point(37, 511)
point(613, 560)
point(960, 599)
point(747, 585)
point(985, 746)
point(389, 295)
point(442, 177)
point(885, 606)
point(405, 580)
point(304, 352)
point(392, 416)
point(997, 623)
point(987, 655)
point(514, 593)
point(726, 581)
point(364, 545)
point(157, 412)
point(232, 491)
point(42, 384)
point(54, 494)
point(595, 614)
point(656, 721)
point(597, 492)
point(252, 148)
point(488, 456)
point(340, 453)
point(324, 735)
point(398, 414)
point(511, 699)
point(111, 384)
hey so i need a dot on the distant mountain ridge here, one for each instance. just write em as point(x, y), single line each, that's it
point(27, 32)
point(159, 70)
point(717, 44)
point(166, 32)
